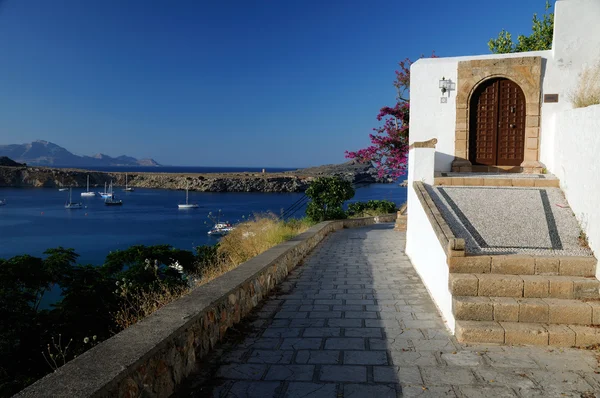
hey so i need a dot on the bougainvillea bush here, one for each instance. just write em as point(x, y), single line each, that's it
point(389, 143)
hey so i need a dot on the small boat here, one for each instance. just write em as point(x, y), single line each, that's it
point(63, 189)
point(88, 193)
point(3, 202)
point(127, 189)
point(221, 229)
point(105, 194)
point(72, 205)
point(113, 202)
point(110, 200)
point(187, 204)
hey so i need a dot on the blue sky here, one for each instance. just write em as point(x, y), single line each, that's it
point(223, 83)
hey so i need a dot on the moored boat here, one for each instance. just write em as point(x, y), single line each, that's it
point(187, 204)
point(3, 202)
point(221, 229)
point(87, 192)
point(72, 205)
point(111, 200)
point(127, 188)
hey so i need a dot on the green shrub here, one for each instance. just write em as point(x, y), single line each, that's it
point(371, 208)
point(327, 195)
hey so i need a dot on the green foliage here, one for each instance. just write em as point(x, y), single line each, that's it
point(206, 256)
point(327, 195)
point(89, 301)
point(540, 38)
point(371, 208)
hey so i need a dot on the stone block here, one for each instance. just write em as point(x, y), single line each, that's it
point(547, 183)
point(531, 154)
point(524, 333)
point(463, 284)
point(479, 332)
point(513, 265)
point(474, 181)
point(560, 335)
point(506, 309)
point(595, 311)
point(532, 142)
point(523, 182)
point(533, 310)
point(497, 182)
point(535, 286)
point(493, 285)
point(586, 288)
point(473, 308)
point(560, 287)
point(546, 265)
point(459, 181)
point(532, 121)
point(569, 311)
point(442, 181)
point(470, 264)
point(577, 266)
point(585, 335)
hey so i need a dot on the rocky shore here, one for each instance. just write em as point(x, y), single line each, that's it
point(292, 181)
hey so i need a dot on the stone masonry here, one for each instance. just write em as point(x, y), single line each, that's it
point(355, 320)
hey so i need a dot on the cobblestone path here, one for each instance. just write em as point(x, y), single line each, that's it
point(355, 321)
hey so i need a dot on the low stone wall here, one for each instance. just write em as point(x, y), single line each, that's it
point(153, 356)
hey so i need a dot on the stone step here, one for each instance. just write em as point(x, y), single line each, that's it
point(497, 181)
point(529, 286)
point(528, 310)
point(527, 333)
point(524, 265)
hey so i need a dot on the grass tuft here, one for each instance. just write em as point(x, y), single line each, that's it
point(587, 92)
point(253, 237)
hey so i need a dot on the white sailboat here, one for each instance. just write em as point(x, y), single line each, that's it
point(104, 194)
point(111, 200)
point(127, 188)
point(88, 193)
point(72, 205)
point(187, 204)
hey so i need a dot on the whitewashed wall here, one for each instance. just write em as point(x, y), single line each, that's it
point(422, 246)
point(577, 151)
point(576, 44)
point(428, 258)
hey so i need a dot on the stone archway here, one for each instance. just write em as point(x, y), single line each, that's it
point(526, 73)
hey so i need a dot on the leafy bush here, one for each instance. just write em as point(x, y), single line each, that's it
point(587, 92)
point(371, 208)
point(327, 195)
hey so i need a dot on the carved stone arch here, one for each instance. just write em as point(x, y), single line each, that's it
point(526, 73)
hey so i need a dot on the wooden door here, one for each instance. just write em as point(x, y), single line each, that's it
point(497, 127)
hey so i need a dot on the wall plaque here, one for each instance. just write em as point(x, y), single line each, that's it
point(550, 97)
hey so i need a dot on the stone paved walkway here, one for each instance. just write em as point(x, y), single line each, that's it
point(355, 321)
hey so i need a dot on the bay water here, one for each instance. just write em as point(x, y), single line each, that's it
point(35, 219)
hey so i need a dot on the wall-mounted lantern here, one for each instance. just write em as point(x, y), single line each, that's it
point(446, 86)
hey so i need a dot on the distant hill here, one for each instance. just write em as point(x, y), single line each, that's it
point(5, 161)
point(44, 153)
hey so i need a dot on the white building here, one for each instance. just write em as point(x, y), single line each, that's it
point(507, 112)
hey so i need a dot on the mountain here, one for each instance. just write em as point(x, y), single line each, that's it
point(44, 153)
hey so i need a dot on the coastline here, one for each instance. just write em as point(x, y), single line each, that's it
point(288, 181)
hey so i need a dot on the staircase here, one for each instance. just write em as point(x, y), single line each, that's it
point(533, 298)
point(526, 300)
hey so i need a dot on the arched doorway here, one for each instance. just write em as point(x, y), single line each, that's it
point(497, 124)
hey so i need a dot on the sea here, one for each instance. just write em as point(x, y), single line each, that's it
point(34, 219)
